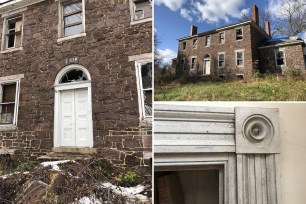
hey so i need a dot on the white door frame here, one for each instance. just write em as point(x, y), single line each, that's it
point(204, 66)
point(71, 86)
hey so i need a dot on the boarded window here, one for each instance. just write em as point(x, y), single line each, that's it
point(207, 41)
point(221, 60)
point(239, 58)
point(7, 105)
point(222, 38)
point(73, 18)
point(142, 9)
point(13, 32)
point(146, 86)
point(239, 34)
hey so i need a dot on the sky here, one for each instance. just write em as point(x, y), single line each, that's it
point(173, 18)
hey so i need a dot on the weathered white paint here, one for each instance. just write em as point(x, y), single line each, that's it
point(199, 138)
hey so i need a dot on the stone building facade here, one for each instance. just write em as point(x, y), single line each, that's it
point(234, 51)
point(76, 75)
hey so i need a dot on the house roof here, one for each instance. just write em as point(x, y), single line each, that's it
point(280, 42)
point(227, 27)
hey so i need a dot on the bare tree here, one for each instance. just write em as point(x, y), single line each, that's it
point(291, 19)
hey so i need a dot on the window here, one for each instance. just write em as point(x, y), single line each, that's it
point(239, 34)
point(72, 22)
point(207, 41)
point(193, 61)
point(239, 58)
point(280, 57)
point(194, 43)
point(184, 46)
point(221, 60)
point(74, 75)
point(13, 32)
point(8, 103)
point(222, 38)
point(145, 85)
point(141, 9)
point(182, 64)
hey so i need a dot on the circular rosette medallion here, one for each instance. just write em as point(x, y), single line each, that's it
point(258, 130)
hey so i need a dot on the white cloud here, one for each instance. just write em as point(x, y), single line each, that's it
point(274, 7)
point(173, 5)
point(186, 14)
point(167, 55)
point(245, 12)
point(213, 11)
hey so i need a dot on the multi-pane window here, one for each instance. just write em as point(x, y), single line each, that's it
point(142, 9)
point(145, 84)
point(72, 18)
point(194, 43)
point(184, 46)
point(239, 58)
point(221, 60)
point(182, 64)
point(193, 62)
point(207, 41)
point(13, 32)
point(239, 34)
point(8, 103)
point(280, 57)
point(222, 38)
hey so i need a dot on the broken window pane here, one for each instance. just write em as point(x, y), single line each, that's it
point(194, 43)
point(239, 34)
point(146, 77)
point(182, 64)
point(193, 63)
point(222, 38)
point(221, 60)
point(146, 74)
point(7, 104)
point(142, 9)
point(207, 41)
point(184, 45)
point(13, 32)
point(239, 57)
point(74, 75)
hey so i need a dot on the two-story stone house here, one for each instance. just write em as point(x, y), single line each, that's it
point(76, 75)
point(238, 49)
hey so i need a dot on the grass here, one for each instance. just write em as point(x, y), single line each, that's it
point(266, 89)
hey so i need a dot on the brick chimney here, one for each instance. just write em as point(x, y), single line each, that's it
point(255, 14)
point(193, 30)
point(267, 27)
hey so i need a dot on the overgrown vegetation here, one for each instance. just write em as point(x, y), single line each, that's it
point(261, 88)
point(75, 180)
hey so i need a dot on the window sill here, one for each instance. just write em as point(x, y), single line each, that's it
point(7, 128)
point(11, 50)
point(207, 46)
point(71, 37)
point(146, 122)
point(141, 21)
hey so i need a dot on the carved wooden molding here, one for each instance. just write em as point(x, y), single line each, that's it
point(244, 143)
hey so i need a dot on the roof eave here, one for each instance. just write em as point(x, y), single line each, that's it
point(17, 4)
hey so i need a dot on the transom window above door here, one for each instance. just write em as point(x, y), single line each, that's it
point(74, 75)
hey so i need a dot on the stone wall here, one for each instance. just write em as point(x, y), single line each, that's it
point(293, 56)
point(110, 39)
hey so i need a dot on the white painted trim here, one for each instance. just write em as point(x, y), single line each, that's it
point(14, 12)
point(71, 37)
point(204, 65)
point(236, 34)
point(220, 37)
point(17, 4)
point(71, 86)
point(195, 62)
point(280, 45)
point(208, 45)
point(242, 50)
point(141, 21)
point(11, 78)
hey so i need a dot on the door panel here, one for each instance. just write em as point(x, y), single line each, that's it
point(67, 119)
point(207, 67)
point(75, 118)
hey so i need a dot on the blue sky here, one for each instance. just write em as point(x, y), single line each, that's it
point(173, 18)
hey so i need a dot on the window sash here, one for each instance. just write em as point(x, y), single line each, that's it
point(15, 103)
point(14, 34)
point(145, 109)
point(207, 41)
point(64, 16)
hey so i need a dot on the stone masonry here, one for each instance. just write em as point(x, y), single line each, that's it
point(110, 39)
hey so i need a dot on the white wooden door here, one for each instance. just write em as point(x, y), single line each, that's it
point(207, 67)
point(75, 118)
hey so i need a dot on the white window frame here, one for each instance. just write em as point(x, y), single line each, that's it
point(221, 53)
point(141, 100)
point(276, 51)
point(236, 33)
point(206, 44)
point(195, 43)
point(61, 30)
point(4, 38)
point(132, 13)
point(195, 62)
point(236, 51)
point(11, 80)
point(220, 43)
point(184, 48)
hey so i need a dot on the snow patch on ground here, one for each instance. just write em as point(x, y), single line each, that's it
point(54, 164)
point(89, 200)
